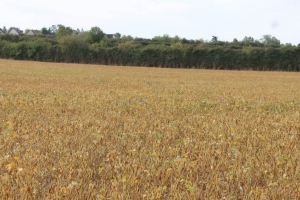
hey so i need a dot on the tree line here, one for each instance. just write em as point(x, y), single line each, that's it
point(64, 44)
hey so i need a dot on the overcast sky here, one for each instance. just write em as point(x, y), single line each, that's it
point(192, 19)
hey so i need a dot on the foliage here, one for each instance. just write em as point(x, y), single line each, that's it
point(63, 31)
point(270, 41)
point(95, 35)
point(74, 49)
point(163, 51)
point(45, 31)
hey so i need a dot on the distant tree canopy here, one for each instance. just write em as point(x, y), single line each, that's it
point(45, 31)
point(95, 35)
point(270, 41)
point(63, 44)
point(119, 35)
point(63, 31)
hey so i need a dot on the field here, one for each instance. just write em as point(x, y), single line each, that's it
point(72, 131)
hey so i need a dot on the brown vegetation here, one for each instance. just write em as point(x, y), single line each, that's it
point(98, 132)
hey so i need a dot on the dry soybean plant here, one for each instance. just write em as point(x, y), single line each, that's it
point(106, 132)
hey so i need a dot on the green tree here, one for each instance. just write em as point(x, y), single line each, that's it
point(248, 41)
point(127, 37)
point(176, 39)
point(184, 41)
point(103, 43)
point(74, 49)
point(95, 35)
point(163, 39)
point(177, 45)
point(44, 31)
point(288, 44)
point(118, 35)
point(157, 38)
point(82, 35)
point(166, 38)
point(63, 31)
point(270, 41)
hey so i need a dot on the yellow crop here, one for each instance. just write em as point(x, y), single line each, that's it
point(72, 131)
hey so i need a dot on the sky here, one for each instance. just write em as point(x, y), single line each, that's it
point(190, 19)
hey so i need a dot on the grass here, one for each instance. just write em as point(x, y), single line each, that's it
point(107, 132)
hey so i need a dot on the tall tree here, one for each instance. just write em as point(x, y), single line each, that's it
point(63, 31)
point(118, 35)
point(184, 41)
point(44, 31)
point(248, 41)
point(270, 41)
point(176, 39)
point(95, 35)
point(82, 35)
point(127, 37)
point(73, 48)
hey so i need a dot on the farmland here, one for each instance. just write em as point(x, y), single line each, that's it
point(107, 132)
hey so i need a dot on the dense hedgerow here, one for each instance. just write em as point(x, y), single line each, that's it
point(218, 55)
